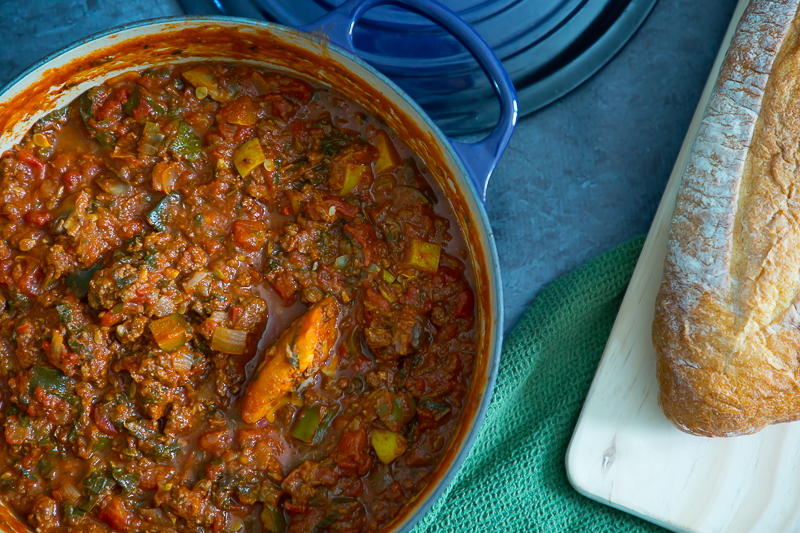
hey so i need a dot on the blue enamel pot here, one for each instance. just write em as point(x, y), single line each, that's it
point(323, 53)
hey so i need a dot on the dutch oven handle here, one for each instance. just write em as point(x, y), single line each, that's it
point(481, 157)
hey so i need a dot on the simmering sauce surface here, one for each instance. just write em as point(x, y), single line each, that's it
point(229, 301)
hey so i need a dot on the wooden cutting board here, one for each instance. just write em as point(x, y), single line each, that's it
point(626, 454)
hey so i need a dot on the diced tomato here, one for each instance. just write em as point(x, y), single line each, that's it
point(300, 131)
point(368, 239)
point(286, 287)
point(228, 131)
point(115, 514)
point(298, 91)
point(243, 133)
point(417, 299)
point(294, 508)
point(102, 420)
point(446, 275)
point(465, 303)
point(250, 234)
point(347, 211)
point(112, 107)
point(37, 218)
point(30, 284)
point(72, 180)
point(353, 451)
point(142, 110)
point(110, 318)
point(241, 111)
point(236, 312)
point(216, 441)
point(376, 300)
point(27, 157)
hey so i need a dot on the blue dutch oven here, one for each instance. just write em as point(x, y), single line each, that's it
point(323, 53)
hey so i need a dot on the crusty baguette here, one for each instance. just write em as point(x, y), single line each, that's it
point(727, 323)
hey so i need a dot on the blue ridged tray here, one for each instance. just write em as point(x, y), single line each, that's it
point(549, 47)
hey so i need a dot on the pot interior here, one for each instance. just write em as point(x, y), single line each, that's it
point(63, 77)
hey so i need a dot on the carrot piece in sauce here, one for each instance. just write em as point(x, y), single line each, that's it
point(305, 344)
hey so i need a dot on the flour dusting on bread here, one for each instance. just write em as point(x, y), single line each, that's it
point(727, 329)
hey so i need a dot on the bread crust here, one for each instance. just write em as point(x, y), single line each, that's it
point(727, 321)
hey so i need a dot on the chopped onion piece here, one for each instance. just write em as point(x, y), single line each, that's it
point(270, 416)
point(248, 156)
point(423, 255)
point(170, 333)
point(388, 158)
point(71, 493)
point(198, 276)
point(341, 262)
point(57, 345)
point(232, 341)
point(218, 316)
point(330, 368)
point(182, 361)
point(353, 174)
point(114, 186)
point(151, 139)
point(260, 84)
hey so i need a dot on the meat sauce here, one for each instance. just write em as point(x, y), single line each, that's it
point(231, 301)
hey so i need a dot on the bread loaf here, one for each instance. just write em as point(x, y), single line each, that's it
point(727, 324)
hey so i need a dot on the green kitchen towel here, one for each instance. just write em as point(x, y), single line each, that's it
point(514, 479)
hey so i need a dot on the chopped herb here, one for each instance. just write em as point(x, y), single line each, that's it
point(439, 409)
point(85, 104)
point(331, 146)
point(324, 425)
point(106, 139)
point(96, 483)
point(129, 481)
point(159, 216)
point(102, 443)
point(50, 379)
point(89, 504)
point(79, 280)
point(325, 522)
point(64, 313)
point(132, 102)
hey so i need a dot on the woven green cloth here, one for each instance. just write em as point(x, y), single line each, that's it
point(514, 478)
